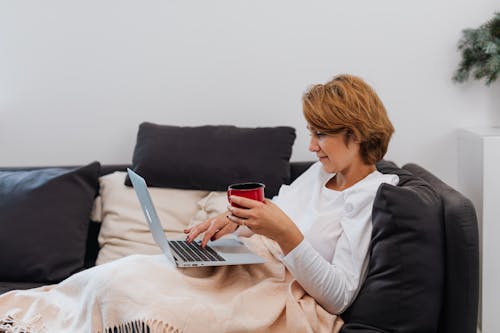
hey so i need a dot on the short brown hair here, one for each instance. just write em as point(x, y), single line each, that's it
point(348, 103)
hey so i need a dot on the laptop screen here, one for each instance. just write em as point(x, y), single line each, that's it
point(142, 192)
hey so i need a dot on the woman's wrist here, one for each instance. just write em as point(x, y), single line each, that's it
point(290, 241)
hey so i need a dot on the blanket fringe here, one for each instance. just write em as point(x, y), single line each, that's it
point(10, 324)
point(142, 326)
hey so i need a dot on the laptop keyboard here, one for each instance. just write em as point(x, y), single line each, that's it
point(194, 252)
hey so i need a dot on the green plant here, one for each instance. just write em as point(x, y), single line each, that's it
point(480, 52)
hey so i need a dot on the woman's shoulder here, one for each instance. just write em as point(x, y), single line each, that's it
point(359, 198)
point(379, 177)
point(387, 178)
point(372, 182)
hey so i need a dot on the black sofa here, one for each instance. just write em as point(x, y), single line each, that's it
point(423, 274)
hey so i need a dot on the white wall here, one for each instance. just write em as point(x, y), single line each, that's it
point(77, 77)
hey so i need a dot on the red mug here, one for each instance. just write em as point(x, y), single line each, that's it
point(254, 191)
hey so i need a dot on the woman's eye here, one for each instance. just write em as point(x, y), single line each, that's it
point(317, 134)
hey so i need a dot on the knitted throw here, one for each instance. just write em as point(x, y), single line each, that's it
point(142, 293)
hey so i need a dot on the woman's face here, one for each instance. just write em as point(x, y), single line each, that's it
point(333, 151)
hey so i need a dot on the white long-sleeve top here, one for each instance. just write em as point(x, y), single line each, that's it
point(331, 261)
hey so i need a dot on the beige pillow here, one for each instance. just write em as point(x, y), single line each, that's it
point(210, 206)
point(124, 230)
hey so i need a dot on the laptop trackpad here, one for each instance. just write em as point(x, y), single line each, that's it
point(235, 251)
point(229, 245)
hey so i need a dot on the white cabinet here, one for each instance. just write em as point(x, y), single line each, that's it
point(479, 180)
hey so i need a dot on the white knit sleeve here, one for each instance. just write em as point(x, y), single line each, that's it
point(329, 284)
point(334, 285)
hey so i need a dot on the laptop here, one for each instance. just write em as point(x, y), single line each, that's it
point(228, 250)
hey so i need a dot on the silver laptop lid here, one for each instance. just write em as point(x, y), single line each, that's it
point(142, 192)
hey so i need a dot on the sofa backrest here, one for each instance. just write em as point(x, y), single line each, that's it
point(460, 287)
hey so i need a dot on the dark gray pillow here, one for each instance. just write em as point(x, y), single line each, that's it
point(460, 301)
point(404, 285)
point(44, 217)
point(213, 157)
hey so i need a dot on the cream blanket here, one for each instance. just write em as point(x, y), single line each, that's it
point(130, 293)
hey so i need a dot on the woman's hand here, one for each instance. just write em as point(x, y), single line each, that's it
point(213, 228)
point(265, 218)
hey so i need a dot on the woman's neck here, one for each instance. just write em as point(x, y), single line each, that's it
point(347, 178)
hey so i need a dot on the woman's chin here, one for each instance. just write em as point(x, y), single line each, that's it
point(326, 165)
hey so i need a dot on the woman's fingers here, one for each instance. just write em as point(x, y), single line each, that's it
point(222, 227)
point(212, 229)
point(251, 210)
point(240, 221)
point(227, 229)
point(236, 219)
point(196, 230)
point(245, 202)
point(250, 207)
point(239, 212)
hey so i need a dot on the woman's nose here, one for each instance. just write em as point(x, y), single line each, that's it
point(313, 145)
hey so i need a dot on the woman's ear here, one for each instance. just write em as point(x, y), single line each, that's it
point(350, 136)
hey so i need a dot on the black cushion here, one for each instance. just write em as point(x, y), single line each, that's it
point(404, 283)
point(8, 286)
point(44, 217)
point(460, 303)
point(213, 157)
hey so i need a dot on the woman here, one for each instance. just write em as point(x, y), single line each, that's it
point(350, 132)
point(315, 236)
